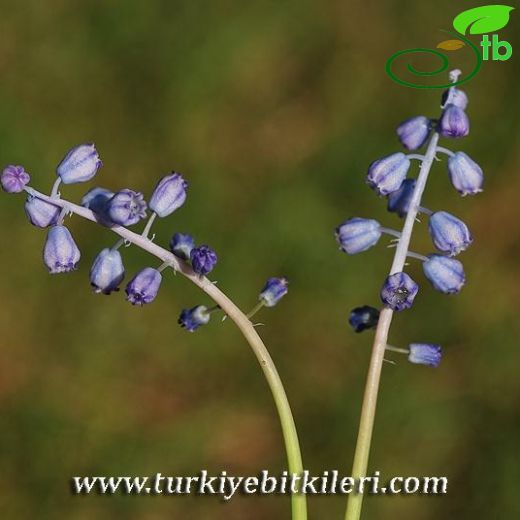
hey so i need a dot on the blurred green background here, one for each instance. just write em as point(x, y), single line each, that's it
point(272, 111)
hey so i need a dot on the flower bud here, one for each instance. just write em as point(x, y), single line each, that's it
point(107, 271)
point(181, 245)
point(386, 175)
point(144, 286)
point(362, 318)
point(14, 179)
point(203, 259)
point(399, 291)
point(445, 274)
point(192, 319)
point(274, 290)
point(425, 354)
point(465, 174)
point(399, 201)
point(414, 132)
point(358, 234)
point(96, 199)
point(126, 207)
point(449, 234)
point(79, 165)
point(60, 253)
point(169, 195)
point(41, 213)
point(454, 96)
point(454, 122)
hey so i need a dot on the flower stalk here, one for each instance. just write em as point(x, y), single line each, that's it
point(368, 410)
point(294, 459)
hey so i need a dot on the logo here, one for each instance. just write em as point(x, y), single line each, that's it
point(483, 21)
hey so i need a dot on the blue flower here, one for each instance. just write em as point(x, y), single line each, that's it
point(358, 234)
point(169, 195)
point(414, 132)
point(41, 213)
point(203, 259)
point(399, 201)
point(386, 175)
point(107, 271)
point(192, 319)
point(273, 291)
point(181, 245)
point(425, 354)
point(449, 234)
point(60, 253)
point(454, 122)
point(399, 291)
point(127, 207)
point(14, 179)
point(362, 318)
point(454, 96)
point(465, 174)
point(445, 274)
point(144, 286)
point(79, 165)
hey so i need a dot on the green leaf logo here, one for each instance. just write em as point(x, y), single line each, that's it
point(481, 20)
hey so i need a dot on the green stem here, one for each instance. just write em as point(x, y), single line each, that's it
point(292, 446)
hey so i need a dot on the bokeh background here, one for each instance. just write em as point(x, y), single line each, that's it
point(272, 111)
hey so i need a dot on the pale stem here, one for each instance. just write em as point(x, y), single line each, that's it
point(292, 446)
point(55, 187)
point(149, 224)
point(397, 349)
point(255, 309)
point(445, 150)
point(390, 231)
point(417, 256)
point(368, 410)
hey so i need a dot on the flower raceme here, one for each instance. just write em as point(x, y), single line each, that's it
point(125, 207)
point(450, 235)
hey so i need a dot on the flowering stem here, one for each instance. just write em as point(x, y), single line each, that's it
point(368, 410)
point(292, 446)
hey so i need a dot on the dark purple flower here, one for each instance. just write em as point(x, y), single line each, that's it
point(362, 318)
point(181, 245)
point(454, 122)
point(203, 259)
point(399, 291)
point(144, 286)
point(465, 174)
point(449, 233)
point(41, 213)
point(414, 132)
point(107, 271)
point(80, 164)
point(60, 253)
point(126, 207)
point(14, 179)
point(386, 175)
point(445, 274)
point(358, 234)
point(273, 291)
point(399, 201)
point(192, 319)
point(169, 195)
point(425, 354)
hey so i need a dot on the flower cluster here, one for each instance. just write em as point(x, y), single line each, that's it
point(125, 207)
point(450, 236)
